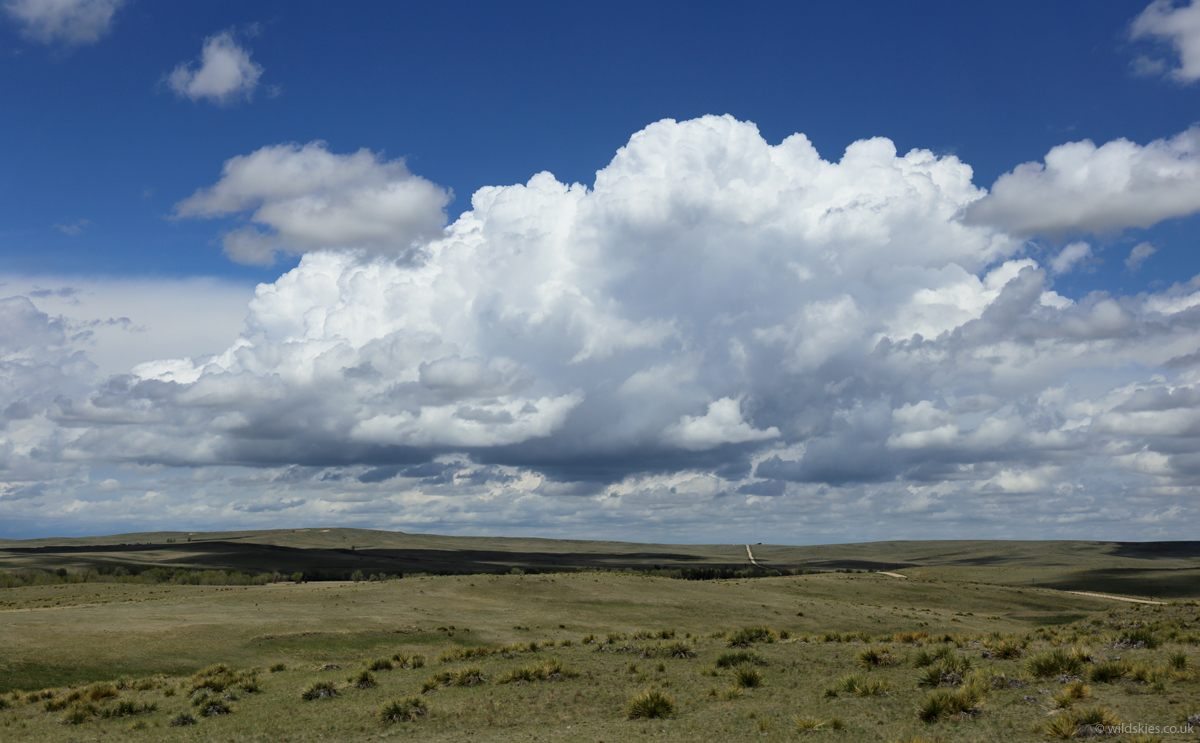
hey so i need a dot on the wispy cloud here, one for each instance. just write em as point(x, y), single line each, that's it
point(65, 21)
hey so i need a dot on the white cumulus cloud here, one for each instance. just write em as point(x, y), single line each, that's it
point(68, 21)
point(225, 72)
point(308, 198)
point(1174, 24)
point(726, 330)
point(1084, 188)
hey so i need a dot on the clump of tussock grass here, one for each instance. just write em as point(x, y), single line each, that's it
point(79, 713)
point(319, 690)
point(101, 690)
point(551, 670)
point(813, 724)
point(182, 719)
point(128, 708)
point(408, 709)
point(460, 653)
point(746, 676)
point(743, 637)
point(1178, 661)
point(145, 684)
point(214, 707)
point(1007, 649)
point(947, 669)
point(1073, 723)
point(679, 649)
point(859, 686)
point(737, 658)
point(404, 660)
point(55, 704)
point(869, 658)
point(1108, 672)
point(910, 638)
point(1057, 662)
point(1070, 694)
point(944, 704)
point(466, 676)
point(1140, 637)
point(380, 664)
point(277, 667)
point(364, 679)
point(650, 704)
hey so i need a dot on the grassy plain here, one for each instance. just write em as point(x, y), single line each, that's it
point(966, 597)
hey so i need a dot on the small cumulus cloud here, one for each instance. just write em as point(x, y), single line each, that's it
point(303, 198)
point(1138, 256)
point(225, 72)
point(1173, 24)
point(73, 22)
point(1070, 257)
point(73, 229)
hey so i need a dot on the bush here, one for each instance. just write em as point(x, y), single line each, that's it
point(1007, 649)
point(747, 676)
point(1142, 635)
point(318, 690)
point(409, 709)
point(1110, 671)
point(743, 637)
point(946, 703)
point(859, 686)
point(364, 680)
point(737, 658)
point(1057, 662)
point(79, 714)
point(808, 724)
point(650, 704)
point(99, 691)
point(872, 657)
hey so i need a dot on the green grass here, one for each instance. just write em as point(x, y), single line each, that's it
point(530, 662)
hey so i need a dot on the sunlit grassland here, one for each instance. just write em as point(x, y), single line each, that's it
point(65, 637)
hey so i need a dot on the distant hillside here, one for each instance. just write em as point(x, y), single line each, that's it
point(1169, 569)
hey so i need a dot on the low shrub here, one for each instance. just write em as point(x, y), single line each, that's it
point(318, 690)
point(944, 704)
point(746, 635)
point(859, 686)
point(746, 676)
point(181, 720)
point(1057, 662)
point(1108, 672)
point(871, 657)
point(650, 704)
point(737, 658)
point(409, 709)
point(79, 713)
point(101, 690)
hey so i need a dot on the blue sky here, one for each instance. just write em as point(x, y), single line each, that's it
point(445, 340)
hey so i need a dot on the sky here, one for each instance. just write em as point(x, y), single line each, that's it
point(792, 273)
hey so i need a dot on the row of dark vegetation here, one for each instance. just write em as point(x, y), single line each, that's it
point(176, 576)
point(186, 576)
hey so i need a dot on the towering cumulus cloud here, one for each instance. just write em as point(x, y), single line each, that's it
point(741, 328)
